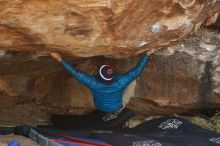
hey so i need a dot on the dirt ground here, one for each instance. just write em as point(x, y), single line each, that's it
point(32, 114)
point(23, 141)
point(27, 113)
point(23, 114)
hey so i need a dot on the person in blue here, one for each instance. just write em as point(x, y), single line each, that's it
point(107, 90)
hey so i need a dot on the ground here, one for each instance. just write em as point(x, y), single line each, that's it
point(33, 114)
point(4, 140)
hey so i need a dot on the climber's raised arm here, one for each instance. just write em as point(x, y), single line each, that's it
point(82, 77)
point(137, 70)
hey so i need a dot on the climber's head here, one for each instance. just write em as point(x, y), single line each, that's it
point(106, 73)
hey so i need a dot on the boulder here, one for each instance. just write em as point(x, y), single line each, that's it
point(177, 79)
point(114, 28)
point(183, 74)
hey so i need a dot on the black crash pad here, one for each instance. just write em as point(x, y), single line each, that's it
point(170, 131)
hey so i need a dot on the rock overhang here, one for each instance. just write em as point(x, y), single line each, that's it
point(113, 28)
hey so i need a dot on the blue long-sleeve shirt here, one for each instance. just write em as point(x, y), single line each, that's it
point(107, 97)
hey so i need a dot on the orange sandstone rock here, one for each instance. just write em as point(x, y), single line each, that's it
point(114, 28)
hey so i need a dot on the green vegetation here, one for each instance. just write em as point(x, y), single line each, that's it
point(212, 123)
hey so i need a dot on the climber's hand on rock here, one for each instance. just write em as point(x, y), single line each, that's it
point(56, 56)
point(149, 52)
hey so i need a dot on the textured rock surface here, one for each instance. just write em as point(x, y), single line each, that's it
point(178, 79)
point(185, 76)
point(115, 28)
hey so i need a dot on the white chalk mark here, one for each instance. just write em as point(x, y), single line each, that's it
point(2, 53)
point(208, 47)
point(156, 28)
point(142, 43)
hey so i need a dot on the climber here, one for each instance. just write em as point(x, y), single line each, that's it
point(107, 91)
